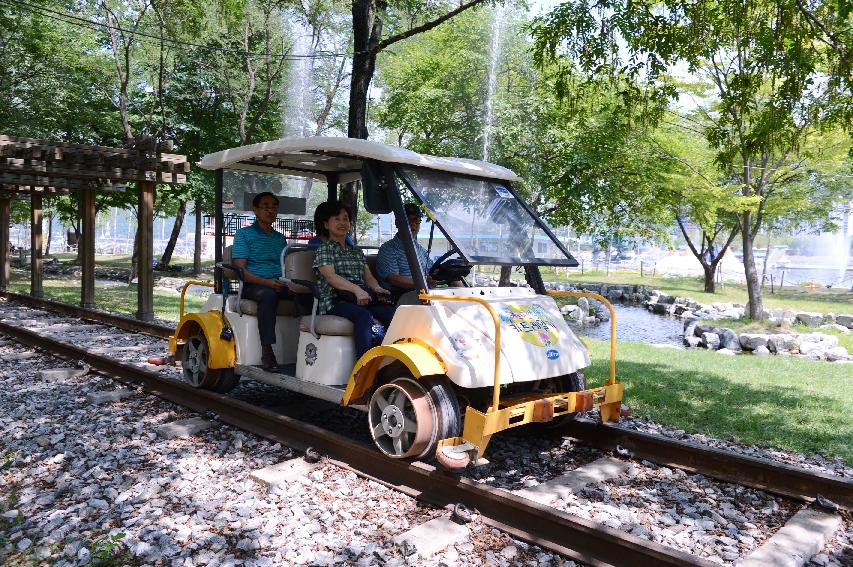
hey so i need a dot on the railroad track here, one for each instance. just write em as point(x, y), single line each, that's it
point(552, 529)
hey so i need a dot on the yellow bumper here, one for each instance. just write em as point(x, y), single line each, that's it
point(480, 426)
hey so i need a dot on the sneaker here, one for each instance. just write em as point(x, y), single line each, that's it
point(268, 361)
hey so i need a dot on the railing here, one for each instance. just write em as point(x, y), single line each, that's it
point(602, 299)
point(184, 291)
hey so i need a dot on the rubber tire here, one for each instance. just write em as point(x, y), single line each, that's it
point(448, 417)
point(220, 380)
point(447, 409)
point(574, 382)
point(227, 381)
point(210, 376)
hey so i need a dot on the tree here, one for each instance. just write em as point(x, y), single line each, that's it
point(765, 61)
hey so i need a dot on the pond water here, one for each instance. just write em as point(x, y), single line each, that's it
point(637, 325)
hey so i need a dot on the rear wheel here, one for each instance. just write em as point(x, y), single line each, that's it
point(195, 358)
point(408, 417)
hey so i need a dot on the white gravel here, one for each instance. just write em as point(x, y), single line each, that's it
point(76, 475)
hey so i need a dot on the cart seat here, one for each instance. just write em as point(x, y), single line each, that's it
point(285, 308)
point(299, 265)
point(328, 325)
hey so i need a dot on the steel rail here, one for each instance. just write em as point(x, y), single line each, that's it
point(763, 474)
point(121, 321)
point(557, 531)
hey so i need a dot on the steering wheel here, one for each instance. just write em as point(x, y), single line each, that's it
point(447, 269)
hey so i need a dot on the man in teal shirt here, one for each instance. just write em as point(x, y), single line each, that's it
point(257, 249)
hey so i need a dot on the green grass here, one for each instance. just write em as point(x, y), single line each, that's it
point(117, 299)
point(123, 260)
point(786, 403)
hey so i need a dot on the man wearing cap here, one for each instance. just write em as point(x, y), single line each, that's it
point(392, 264)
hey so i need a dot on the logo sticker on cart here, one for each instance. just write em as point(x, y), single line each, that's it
point(552, 354)
point(532, 324)
point(503, 192)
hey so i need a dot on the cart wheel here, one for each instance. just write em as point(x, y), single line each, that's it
point(194, 361)
point(402, 419)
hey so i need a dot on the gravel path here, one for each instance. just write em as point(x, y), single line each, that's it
point(78, 474)
point(84, 482)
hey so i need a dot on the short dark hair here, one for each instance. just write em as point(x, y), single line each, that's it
point(412, 210)
point(256, 202)
point(325, 211)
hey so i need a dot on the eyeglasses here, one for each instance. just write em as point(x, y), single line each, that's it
point(268, 207)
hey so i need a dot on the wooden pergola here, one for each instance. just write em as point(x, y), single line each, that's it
point(35, 168)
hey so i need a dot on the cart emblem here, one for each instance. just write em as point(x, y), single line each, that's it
point(310, 354)
point(532, 324)
point(462, 343)
point(552, 354)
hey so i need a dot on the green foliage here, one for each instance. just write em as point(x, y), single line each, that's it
point(106, 552)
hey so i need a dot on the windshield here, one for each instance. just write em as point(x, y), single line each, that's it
point(485, 219)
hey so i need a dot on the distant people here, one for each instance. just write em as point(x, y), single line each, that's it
point(257, 249)
point(392, 264)
point(341, 267)
point(319, 239)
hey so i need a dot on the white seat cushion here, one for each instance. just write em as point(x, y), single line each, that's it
point(249, 307)
point(328, 325)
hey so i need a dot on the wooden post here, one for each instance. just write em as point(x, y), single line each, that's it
point(5, 268)
point(36, 287)
point(145, 287)
point(87, 248)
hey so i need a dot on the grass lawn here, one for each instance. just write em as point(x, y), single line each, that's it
point(119, 298)
point(123, 260)
point(820, 300)
point(786, 403)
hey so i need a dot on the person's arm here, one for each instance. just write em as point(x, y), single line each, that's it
point(249, 277)
point(372, 282)
point(402, 282)
point(340, 282)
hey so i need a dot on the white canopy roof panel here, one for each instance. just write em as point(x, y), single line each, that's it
point(317, 156)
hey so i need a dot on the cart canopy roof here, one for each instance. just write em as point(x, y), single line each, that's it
point(317, 157)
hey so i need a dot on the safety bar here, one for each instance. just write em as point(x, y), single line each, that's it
point(496, 395)
point(602, 299)
point(184, 291)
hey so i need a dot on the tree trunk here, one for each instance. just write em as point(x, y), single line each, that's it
point(166, 258)
point(710, 284)
point(366, 30)
point(49, 234)
point(766, 257)
point(753, 287)
point(134, 258)
point(76, 261)
point(198, 231)
point(506, 271)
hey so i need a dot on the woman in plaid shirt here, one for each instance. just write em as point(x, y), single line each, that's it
point(340, 266)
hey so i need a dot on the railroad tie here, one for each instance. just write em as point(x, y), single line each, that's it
point(549, 491)
point(796, 542)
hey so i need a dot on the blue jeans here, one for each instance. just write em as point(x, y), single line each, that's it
point(267, 300)
point(362, 319)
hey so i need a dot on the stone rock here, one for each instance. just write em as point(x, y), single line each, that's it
point(729, 340)
point(711, 340)
point(837, 353)
point(836, 327)
point(750, 341)
point(583, 303)
point(761, 351)
point(727, 352)
point(809, 319)
point(692, 341)
point(659, 308)
point(845, 320)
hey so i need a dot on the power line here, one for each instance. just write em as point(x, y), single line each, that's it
point(94, 25)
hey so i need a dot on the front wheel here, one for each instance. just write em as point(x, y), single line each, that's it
point(408, 417)
point(195, 358)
